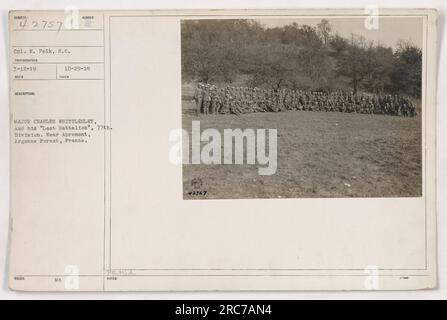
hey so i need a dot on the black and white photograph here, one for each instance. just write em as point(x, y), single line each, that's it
point(307, 107)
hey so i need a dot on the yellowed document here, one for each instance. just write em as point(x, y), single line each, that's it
point(223, 150)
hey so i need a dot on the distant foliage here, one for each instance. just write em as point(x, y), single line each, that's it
point(296, 56)
point(407, 69)
point(367, 66)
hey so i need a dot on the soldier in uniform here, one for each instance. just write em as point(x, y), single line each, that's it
point(198, 98)
point(225, 108)
point(206, 99)
point(215, 101)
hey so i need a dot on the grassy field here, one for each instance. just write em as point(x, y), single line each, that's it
point(319, 155)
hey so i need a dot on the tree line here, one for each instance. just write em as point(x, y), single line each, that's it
point(296, 57)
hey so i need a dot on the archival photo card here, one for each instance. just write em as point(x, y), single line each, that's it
point(223, 150)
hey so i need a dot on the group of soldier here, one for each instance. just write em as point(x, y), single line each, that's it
point(211, 99)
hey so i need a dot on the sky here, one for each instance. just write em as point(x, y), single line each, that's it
point(390, 31)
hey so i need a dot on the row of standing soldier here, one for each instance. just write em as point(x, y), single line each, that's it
point(211, 99)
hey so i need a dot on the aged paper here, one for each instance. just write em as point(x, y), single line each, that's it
point(223, 150)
